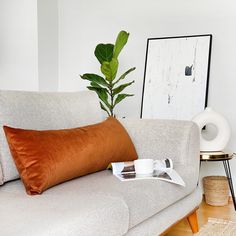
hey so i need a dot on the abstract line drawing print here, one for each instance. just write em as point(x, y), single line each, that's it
point(176, 77)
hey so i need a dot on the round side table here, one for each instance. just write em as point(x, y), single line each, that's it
point(224, 157)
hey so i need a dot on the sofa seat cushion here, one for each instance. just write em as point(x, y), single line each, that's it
point(68, 209)
point(96, 204)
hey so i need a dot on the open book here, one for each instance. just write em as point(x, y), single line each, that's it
point(125, 171)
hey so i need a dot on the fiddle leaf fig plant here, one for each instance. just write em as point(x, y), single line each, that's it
point(107, 86)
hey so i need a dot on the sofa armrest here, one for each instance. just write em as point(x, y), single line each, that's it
point(159, 139)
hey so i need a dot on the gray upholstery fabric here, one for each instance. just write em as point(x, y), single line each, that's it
point(158, 139)
point(83, 206)
point(158, 223)
point(39, 110)
point(96, 204)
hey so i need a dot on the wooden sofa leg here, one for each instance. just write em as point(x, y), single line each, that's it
point(192, 220)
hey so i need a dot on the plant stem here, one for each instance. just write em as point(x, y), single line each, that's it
point(112, 98)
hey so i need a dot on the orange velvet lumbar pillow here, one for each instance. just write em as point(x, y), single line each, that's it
point(49, 157)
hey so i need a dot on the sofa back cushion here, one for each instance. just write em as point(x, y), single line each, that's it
point(46, 158)
point(42, 111)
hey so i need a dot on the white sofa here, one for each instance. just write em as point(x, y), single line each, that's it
point(97, 204)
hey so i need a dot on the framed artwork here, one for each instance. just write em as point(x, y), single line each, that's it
point(176, 77)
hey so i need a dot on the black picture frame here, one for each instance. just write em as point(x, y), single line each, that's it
point(178, 37)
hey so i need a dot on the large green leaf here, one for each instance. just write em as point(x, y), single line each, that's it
point(104, 52)
point(122, 96)
point(121, 40)
point(124, 75)
point(109, 69)
point(95, 85)
point(95, 78)
point(121, 88)
point(104, 108)
point(102, 94)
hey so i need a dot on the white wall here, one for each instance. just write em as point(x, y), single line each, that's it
point(29, 45)
point(47, 45)
point(85, 23)
point(18, 45)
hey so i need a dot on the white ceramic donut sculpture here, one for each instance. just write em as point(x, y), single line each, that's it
point(208, 116)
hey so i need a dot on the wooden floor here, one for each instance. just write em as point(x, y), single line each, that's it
point(205, 211)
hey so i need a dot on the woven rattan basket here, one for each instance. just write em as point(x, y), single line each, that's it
point(216, 190)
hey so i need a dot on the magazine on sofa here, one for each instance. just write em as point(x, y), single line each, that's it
point(125, 171)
